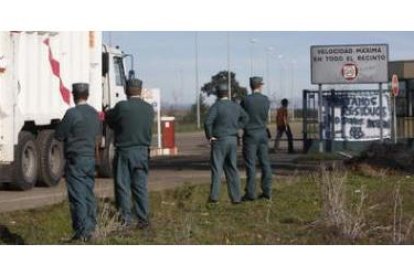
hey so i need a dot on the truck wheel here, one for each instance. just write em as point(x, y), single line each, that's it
point(51, 160)
point(105, 168)
point(25, 165)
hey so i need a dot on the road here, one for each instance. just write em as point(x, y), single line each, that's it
point(191, 165)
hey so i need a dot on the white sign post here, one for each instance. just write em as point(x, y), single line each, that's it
point(153, 97)
point(395, 87)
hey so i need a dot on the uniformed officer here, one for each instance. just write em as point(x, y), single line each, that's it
point(132, 121)
point(79, 131)
point(255, 141)
point(221, 126)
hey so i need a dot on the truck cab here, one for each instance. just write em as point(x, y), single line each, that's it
point(113, 86)
point(37, 70)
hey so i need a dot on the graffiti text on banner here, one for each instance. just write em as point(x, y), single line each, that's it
point(356, 116)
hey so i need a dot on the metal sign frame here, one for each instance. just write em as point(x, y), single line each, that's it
point(348, 45)
point(346, 83)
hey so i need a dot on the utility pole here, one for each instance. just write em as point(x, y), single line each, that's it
point(228, 64)
point(197, 87)
point(252, 42)
point(268, 78)
point(292, 86)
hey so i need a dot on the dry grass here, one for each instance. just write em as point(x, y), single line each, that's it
point(371, 171)
point(108, 220)
point(333, 206)
point(400, 233)
point(347, 221)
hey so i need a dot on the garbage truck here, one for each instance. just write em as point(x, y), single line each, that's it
point(37, 70)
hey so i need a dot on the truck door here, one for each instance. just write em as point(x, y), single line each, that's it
point(117, 80)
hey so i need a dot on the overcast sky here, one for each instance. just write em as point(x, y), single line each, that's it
point(167, 59)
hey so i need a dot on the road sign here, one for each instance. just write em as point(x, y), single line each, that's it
point(349, 64)
point(395, 85)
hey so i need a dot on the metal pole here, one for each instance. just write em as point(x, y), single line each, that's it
point(395, 119)
point(408, 90)
point(196, 81)
point(292, 71)
point(320, 118)
point(281, 67)
point(159, 124)
point(251, 57)
point(381, 117)
point(268, 83)
point(267, 72)
point(291, 78)
point(305, 119)
point(181, 84)
point(252, 42)
point(228, 64)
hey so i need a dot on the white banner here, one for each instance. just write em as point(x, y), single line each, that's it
point(356, 116)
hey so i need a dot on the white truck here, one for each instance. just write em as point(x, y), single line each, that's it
point(37, 70)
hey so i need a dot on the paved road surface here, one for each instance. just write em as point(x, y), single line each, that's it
point(191, 165)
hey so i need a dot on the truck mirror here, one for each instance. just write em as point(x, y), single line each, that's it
point(105, 63)
point(131, 74)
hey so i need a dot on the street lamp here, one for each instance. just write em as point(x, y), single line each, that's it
point(292, 74)
point(269, 50)
point(279, 57)
point(196, 80)
point(228, 64)
point(292, 86)
point(268, 78)
point(252, 42)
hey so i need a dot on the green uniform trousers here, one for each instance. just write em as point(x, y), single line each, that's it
point(80, 180)
point(131, 177)
point(224, 156)
point(255, 144)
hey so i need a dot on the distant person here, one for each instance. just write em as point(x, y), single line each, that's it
point(255, 141)
point(79, 131)
point(221, 126)
point(132, 121)
point(282, 126)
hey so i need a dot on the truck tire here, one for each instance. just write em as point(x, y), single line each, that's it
point(51, 158)
point(25, 165)
point(105, 168)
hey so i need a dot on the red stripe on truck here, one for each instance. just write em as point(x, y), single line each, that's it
point(55, 66)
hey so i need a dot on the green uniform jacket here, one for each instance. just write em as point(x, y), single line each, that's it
point(224, 119)
point(78, 130)
point(132, 122)
point(257, 106)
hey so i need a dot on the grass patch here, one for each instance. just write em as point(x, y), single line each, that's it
point(293, 216)
point(315, 157)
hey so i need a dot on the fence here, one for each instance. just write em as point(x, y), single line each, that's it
point(347, 116)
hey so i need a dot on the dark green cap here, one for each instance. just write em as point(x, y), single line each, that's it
point(222, 87)
point(134, 83)
point(80, 88)
point(255, 81)
point(134, 87)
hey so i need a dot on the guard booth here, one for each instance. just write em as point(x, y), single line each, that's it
point(405, 100)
